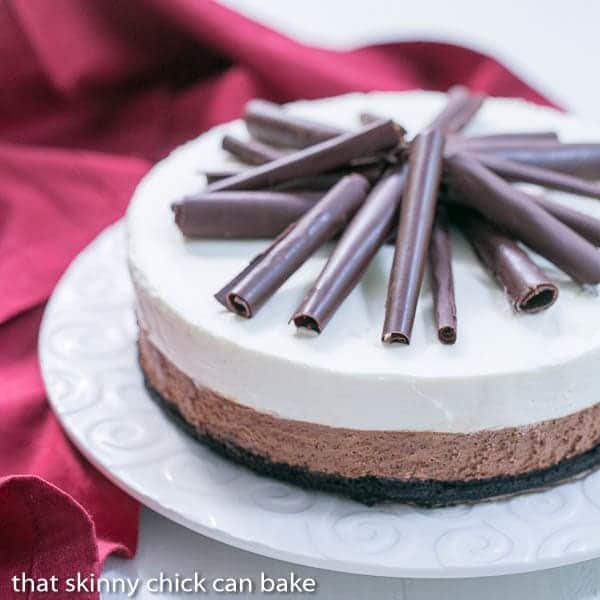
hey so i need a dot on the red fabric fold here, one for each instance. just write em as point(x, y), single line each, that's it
point(92, 94)
point(44, 532)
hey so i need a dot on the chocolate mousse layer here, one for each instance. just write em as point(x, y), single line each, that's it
point(425, 468)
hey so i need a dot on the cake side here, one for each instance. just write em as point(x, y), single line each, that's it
point(425, 468)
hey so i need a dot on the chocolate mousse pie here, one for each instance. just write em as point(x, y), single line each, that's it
point(389, 296)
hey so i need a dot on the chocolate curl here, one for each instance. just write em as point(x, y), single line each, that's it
point(353, 253)
point(221, 295)
point(585, 225)
point(242, 215)
point(270, 123)
point(527, 286)
point(250, 151)
point(217, 175)
point(314, 160)
point(520, 137)
point(440, 260)
point(458, 144)
point(500, 143)
point(515, 171)
point(516, 212)
point(414, 232)
point(370, 167)
point(460, 108)
point(271, 269)
point(368, 117)
point(325, 181)
point(582, 160)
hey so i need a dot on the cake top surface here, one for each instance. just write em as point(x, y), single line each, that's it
point(492, 338)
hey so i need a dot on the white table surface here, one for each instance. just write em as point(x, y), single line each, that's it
point(555, 45)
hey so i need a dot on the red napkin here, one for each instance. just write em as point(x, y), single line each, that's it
point(92, 93)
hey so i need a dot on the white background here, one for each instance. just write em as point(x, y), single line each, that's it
point(555, 46)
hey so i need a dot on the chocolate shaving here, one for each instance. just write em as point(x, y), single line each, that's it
point(582, 160)
point(270, 123)
point(460, 108)
point(250, 151)
point(315, 159)
point(442, 283)
point(243, 215)
point(585, 225)
point(515, 171)
point(274, 266)
point(516, 212)
point(353, 253)
point(527, 286)
point(414, 232)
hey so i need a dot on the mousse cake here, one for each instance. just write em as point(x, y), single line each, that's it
point(480, 398)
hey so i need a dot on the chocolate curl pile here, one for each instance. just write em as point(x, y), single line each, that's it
point(294, 161)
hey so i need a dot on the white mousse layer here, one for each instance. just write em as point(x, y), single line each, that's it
point(506, 369)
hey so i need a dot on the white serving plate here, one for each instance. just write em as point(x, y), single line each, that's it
point(88, 358)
